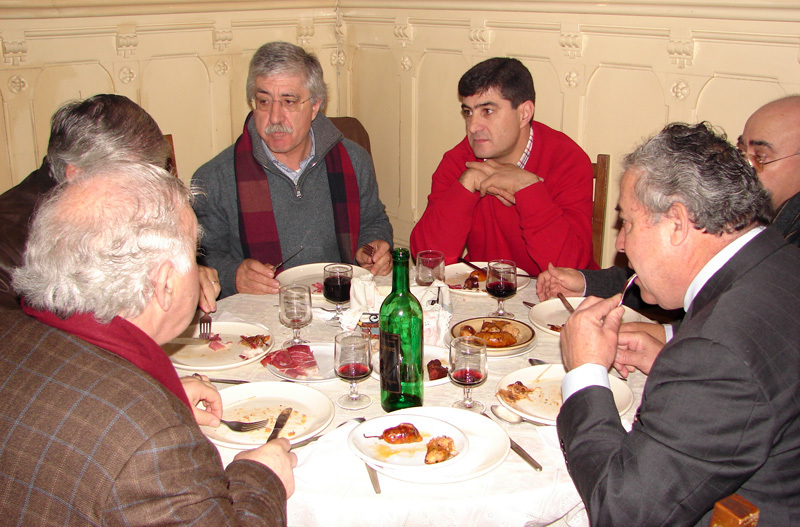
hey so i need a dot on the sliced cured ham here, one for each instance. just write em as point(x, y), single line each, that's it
point(295, 361)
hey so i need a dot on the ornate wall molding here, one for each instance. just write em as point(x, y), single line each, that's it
point(126, 40)
point(404, 32)
point(305, 31)
point(480, 37)
point(14, 51)
point(571, 40)
point(681, 48)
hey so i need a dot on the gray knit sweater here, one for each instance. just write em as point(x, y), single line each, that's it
point(303, 213)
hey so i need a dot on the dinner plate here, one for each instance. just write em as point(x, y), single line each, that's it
point(553, 312)
point(544, 404)
point(323, 353)
point(409, 456)
point(186, 355)
point(429, 353)
point(312, 412)
point(488, 447)
point(494, 353)
point(312, 276)
point(455, 274)
point(526, 334)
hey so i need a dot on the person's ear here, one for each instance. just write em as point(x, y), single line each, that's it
point(680, 223)
point(525, 111)
point(165, 285)
point(70, 171)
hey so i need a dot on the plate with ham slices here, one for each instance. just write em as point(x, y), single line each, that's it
point(311, 362)
point(233, 344)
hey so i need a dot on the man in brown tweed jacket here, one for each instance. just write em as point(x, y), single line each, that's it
point(95, 426)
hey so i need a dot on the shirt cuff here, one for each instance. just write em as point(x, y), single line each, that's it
point(669, 331)
point(582, 377)
point(584, 282)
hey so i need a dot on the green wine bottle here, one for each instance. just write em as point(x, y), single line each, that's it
point(401, 341)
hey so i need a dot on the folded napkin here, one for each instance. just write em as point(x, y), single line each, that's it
point(366, 296)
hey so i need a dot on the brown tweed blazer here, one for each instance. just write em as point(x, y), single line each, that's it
point(86, 438)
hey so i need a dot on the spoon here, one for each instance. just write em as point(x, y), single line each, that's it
point(510, 417)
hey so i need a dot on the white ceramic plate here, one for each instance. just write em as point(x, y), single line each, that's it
point(200, 357)
point(313, 411)
point(553, 312)
point(526, 334)
point(488, 447)
point(455, 274)
point(502, 353)
point(429, 353)
point(544, 404)
point(408, 456)
point(312, 276)
point(323, 353)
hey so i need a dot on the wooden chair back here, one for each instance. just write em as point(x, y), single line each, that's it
point(352, 129)
point(172, 166)
point(601, 169)
point(734, 511)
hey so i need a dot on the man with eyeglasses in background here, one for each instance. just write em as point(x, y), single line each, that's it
point(290, 181)
point(771, 144)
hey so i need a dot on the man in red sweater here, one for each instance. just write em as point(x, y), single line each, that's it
point(513, 188)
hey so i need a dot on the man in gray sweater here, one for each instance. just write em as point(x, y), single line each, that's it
point(290, 181)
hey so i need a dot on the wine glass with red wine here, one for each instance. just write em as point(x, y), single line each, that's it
point(336, 288)
point(294, 310)
point(501, 283)
point(352, 363)
point(468, 369)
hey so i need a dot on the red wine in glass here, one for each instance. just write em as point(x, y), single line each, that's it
point(467, 378)
point(337, 289)
point(354, 371)
point(501, 289)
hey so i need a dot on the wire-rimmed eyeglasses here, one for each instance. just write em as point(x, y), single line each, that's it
point(756, 162)
point(287, 105)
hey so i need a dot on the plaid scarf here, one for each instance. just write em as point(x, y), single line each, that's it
point(122, 338)
point(257, 226)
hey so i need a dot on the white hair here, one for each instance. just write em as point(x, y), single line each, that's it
point(96, 243)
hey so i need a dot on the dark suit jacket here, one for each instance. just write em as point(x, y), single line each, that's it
point(720, 411)
point(89, 439)
point(16, 208)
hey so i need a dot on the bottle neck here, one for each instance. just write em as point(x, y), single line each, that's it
point(400, 281)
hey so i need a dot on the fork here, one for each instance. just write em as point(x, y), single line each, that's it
point(368, 249)
point(625, 289)
point(240, 426)
point(205, 326)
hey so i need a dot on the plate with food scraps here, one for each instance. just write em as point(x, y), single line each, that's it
point(551, 315)
point(408, 442)
point(430, 354)
point(456, 274)
point(535, 393)
point(311, 362)
point(504, 337)
point(189, 352)
point(488, 447)
point(312, 275)
point(312, 411)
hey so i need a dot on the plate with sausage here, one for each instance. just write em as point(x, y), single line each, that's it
point(504, 337)
point(464, 280)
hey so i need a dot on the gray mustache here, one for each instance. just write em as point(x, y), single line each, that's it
point(277, 128)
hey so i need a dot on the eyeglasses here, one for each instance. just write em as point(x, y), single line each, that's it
point(757, 164)
point(287, 105)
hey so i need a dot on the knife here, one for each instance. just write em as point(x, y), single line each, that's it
point(279, 423)
point(290, 257)
point(566, 302)
point(484, 269)
point(520, 451)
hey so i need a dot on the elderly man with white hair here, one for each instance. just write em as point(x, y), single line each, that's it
point(97, 427)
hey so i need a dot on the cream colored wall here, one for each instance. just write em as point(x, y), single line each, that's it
point(607, 74)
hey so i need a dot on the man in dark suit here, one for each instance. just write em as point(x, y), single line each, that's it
point(97, 427)
point(720, 411)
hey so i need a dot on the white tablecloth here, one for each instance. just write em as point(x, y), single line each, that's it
point(333, 488)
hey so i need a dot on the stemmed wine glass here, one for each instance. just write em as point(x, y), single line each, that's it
point(294, 302)
point(468, 369)
point(336, 288)
point(501, 283)
point(352, 363)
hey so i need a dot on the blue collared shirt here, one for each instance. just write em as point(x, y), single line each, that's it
point(294, 175)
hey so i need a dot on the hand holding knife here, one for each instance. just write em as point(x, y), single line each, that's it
point(280, 422)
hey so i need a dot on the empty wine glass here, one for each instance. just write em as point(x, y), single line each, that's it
point(336, 288)
point(294, 303)
point(352, 363)
point(501, 283)
point(468, 369)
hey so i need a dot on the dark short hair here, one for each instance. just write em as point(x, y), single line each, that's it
point(696, 166)
point(102, 130)
point(508, 76)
